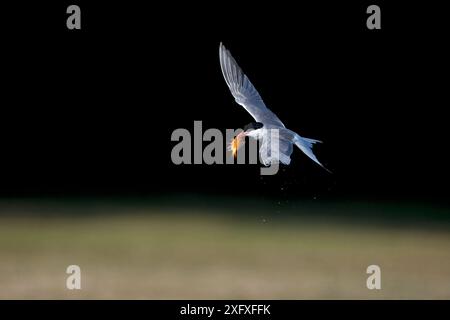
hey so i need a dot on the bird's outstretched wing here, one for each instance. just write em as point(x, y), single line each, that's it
point(243, 90)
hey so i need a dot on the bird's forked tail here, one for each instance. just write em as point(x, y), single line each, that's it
point(306, 145)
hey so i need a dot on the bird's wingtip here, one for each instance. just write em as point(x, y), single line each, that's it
point(326, 169)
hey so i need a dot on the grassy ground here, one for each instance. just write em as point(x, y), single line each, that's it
point(148, 253)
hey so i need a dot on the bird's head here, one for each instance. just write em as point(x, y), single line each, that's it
point(239, 140)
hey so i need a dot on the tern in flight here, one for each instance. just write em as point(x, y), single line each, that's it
point(247, 96)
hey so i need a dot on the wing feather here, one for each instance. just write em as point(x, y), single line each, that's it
point(243, 90)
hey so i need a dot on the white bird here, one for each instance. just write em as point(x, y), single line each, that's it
point(247, 96)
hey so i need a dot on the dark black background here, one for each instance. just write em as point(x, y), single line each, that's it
point(91, 112)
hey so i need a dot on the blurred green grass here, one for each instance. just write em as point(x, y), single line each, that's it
point(142, 251)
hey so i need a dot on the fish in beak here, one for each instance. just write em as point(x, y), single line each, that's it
point(236, 143)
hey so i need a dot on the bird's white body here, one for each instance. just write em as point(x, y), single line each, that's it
point(247, 96)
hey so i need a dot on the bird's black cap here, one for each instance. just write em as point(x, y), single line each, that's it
point(253, 126)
